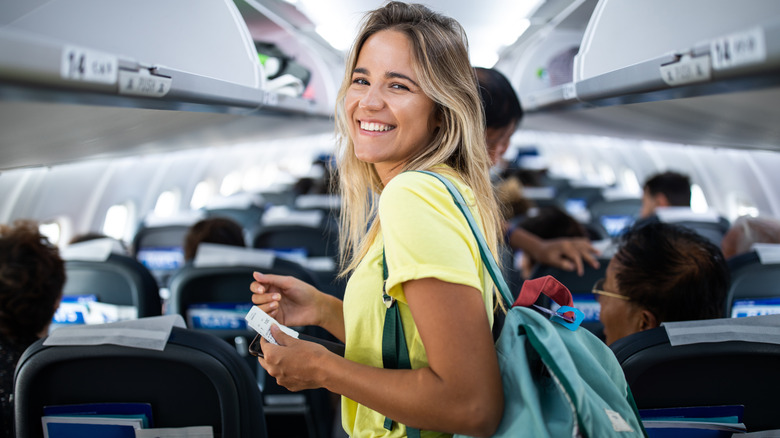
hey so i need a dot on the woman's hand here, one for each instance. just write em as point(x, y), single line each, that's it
point(295, 364)
point(293, 302)
point(287, 299)
point(569, 254)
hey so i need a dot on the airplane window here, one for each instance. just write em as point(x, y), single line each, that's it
point(630, 182)
point(231, 184)
point(259, 178)
point(116, 221)
point(167, 203)
point(202, 193)
point(698, 201)
point(52, 231)
point(607, 174)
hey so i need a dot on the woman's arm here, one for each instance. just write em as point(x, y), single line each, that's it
point(459, 392)
point(293, 302)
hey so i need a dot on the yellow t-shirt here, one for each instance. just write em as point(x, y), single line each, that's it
point(424, 235)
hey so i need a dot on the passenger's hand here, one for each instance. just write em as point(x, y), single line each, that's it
point(568, 253)
point(290, 301)
point(293, 363)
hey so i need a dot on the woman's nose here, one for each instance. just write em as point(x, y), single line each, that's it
point(372, 99)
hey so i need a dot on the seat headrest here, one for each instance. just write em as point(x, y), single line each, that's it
point(213, 255)
point(768, 253)
point(238, 200)
point(318, 201)
point(97, 250)
point(151, 333)
point(764, 328)
point(281, 215)
point(680, 214)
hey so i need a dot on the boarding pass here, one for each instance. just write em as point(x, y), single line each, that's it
point(262, 322)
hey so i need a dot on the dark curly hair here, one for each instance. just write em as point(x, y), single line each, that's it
point(32, 276)
point(673, 272)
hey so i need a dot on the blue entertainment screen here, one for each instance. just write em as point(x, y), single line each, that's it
point(766, 306)
point(575, 206)
point(616, 224)
point(86, 309)
point(161, 258)
point(218, 316)
point(73, 309)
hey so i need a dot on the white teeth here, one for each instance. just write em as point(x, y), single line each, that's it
point(374, 126)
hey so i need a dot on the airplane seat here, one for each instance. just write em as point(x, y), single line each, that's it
point(161, 248)
point(195, 379)
point(316, 241)
point(755, 281)
point(576, 200)
point(119, 280)
point(615, 215)
point(213, 295)
point(310, 237)
point(699, 363)
point(245, 208)
point(581, 290)
point(708, 224)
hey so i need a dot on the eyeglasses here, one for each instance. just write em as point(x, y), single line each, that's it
point(597, 290)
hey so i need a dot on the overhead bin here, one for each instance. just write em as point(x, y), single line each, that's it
point(650, 45)
point(697, 72)
point(179, 51)
point(84, 79)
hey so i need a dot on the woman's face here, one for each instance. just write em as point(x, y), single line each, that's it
point(498, 140)
point(390, 118)
point(619, 317)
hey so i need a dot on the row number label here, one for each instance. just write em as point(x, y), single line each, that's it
point(738, 49)
point(88, 65)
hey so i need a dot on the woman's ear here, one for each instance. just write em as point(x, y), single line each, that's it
point(647, 320)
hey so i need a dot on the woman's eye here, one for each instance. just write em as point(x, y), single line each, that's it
point(360, 81)
point(399, 87)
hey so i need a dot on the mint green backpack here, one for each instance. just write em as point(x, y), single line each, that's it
point(559, 380)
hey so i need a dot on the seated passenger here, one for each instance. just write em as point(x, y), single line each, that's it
point(667, 189)
point(549, 222)
point(220, 230)
point(660, 273)
point(745, 231)
point(32, 276)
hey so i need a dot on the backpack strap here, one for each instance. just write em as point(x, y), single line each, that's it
point(484, 250)
point(395, 354)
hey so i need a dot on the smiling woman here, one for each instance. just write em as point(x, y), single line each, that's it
point(391, 119)
point(409, 101)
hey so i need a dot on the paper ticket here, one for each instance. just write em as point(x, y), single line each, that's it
point(261, 322)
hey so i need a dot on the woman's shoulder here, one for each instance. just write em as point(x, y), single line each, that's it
point(411, 184)
point(419, 180)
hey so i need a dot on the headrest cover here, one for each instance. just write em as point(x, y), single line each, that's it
point(97, 250)
point(768, 253)
point(763, 328)
point(151, 333)
point(213, 254)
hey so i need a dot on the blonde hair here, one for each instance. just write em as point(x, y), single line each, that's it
point(441, 63)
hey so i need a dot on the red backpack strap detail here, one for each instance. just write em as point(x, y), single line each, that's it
point(547, 285)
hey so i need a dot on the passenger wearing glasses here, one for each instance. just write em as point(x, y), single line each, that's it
point(661, 273)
